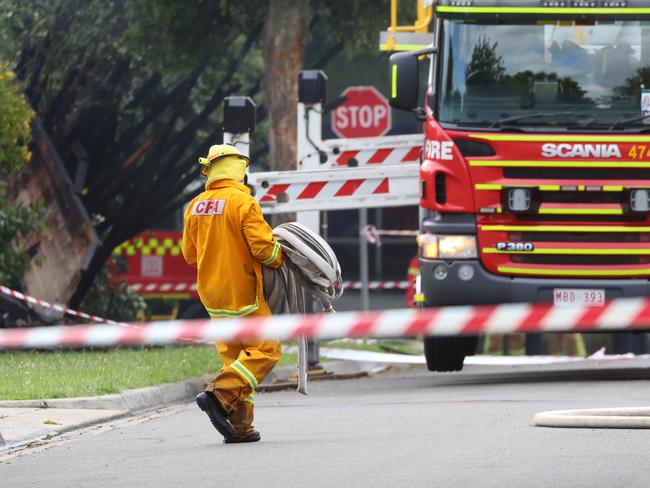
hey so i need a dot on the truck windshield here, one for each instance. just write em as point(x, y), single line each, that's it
point(565, 75)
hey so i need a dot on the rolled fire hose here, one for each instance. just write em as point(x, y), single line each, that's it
point(596, 418)
point(310, 266)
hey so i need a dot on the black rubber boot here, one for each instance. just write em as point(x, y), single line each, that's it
point(253, 436)
point(218, 416)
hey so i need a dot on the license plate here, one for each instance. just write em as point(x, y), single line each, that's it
point(567, 297)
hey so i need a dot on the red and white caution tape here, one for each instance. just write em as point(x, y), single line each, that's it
point(372, 234)
point(376, 285)
point(628, 313)
point(57, 307)
point(163, 287)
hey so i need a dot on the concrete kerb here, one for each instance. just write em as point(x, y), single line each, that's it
point(136, 401)
point(142, 399)
point(129, 401)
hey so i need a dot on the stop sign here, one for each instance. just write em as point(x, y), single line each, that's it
point(365, 113)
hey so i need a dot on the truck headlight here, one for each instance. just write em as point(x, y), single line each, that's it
point(434, 246)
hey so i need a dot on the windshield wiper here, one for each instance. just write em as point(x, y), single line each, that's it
point(622, 123)
point(516, 118)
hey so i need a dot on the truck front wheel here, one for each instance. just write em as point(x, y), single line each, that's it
point(448, 353)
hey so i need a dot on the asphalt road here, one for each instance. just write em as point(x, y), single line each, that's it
point(408, 428)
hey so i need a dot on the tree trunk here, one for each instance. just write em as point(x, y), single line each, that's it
point(284, 38)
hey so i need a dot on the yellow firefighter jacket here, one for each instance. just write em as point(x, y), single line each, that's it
point(226, 238)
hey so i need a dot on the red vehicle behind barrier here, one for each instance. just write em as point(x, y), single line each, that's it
point(535, 179)
point(153, 265)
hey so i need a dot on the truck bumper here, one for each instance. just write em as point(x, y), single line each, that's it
point(488, 288)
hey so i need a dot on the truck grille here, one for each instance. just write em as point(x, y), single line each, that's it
point(571, 259)
point(580, 223)
point(579, 237)
point(560, 249)
point(583, 218)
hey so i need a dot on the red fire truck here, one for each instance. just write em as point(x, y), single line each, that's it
point(535, 176)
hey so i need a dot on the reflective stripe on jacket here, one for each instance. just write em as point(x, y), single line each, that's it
point(227, 239)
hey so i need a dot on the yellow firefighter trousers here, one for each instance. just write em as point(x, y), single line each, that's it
point(245, 364)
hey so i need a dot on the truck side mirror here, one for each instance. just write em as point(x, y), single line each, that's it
point(404, 81)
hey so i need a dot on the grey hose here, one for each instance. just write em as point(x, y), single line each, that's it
point(596, 418)
point(310, 265)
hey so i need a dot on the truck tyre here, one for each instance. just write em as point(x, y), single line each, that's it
point(448, 353)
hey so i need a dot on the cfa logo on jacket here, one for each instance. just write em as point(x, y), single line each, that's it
point(208, 207)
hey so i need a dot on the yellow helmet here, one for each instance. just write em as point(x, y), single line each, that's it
point(217, 152)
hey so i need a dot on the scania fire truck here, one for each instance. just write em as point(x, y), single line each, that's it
point(535, 174)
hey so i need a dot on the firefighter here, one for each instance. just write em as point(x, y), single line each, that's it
point(227, 239)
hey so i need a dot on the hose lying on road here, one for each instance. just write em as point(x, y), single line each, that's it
point(309, 265)
point(596, 418)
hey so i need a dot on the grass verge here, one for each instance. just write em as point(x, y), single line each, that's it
point(39, 375)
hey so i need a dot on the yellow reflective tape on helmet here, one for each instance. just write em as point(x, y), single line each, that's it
point(561, 228)
point(542, 10)
point(557, 138)
point(580, 211)
point(245, 373)
point(569, 251)
point(561, 164)
point(250, 398)
point(575, 272)
point(274, 254)
point(216, 313)
point(393, 82)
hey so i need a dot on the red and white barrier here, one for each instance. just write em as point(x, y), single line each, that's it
point(57, 307)
point(325, 190)
point(386, 155)
point(621, 314)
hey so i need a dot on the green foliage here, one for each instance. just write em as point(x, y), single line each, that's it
point(356, 24)
point(15, 133)
point(39, 375)
point(137, 88)
point(18, 223)
point(113, 299)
